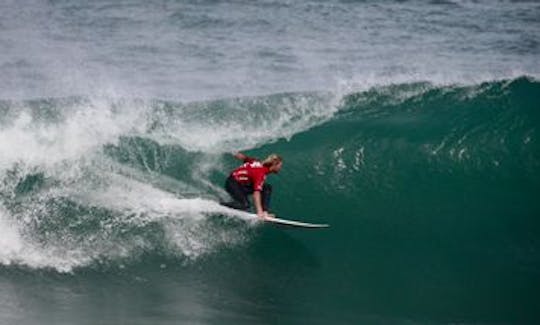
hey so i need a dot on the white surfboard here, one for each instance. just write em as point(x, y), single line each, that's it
point(211, 206)
point(294, 223)
point(252, 217)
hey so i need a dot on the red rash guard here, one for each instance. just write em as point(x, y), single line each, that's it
point(252, 172)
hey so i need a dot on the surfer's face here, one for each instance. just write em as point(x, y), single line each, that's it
point(276, 167)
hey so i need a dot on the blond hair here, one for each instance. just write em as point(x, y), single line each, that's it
point(272, 160)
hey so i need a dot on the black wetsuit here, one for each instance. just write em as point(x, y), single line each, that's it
point(239, 193)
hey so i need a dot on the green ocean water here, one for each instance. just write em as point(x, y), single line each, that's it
point(431, 193)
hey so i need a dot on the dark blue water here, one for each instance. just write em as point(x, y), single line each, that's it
point(411, 127)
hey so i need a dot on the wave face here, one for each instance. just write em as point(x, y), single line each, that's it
point(439, 183)
point(432, 193)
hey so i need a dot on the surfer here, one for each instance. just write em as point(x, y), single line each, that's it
point(248, 179)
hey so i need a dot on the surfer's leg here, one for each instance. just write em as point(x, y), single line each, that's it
point(266, 194)
point(236, 191)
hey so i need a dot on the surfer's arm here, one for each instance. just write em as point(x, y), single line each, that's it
point(258, 204)
point(242, 157)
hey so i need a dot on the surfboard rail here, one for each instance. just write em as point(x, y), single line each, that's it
point(270, 219)
point(294, 223)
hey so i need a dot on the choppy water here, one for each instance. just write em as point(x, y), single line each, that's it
point(411, 127)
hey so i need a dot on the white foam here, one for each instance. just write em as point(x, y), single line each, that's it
point(183, 219)
point(16, 249)
point(84, 129)
point(243, 125)
point(11, 244)
point(141, 199)
point(132, 204)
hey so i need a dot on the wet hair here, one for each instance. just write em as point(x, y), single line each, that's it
point(272, 160)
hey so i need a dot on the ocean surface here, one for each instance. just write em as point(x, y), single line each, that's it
point(411, 127)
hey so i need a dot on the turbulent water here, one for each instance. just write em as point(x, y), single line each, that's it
point(411, 127)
